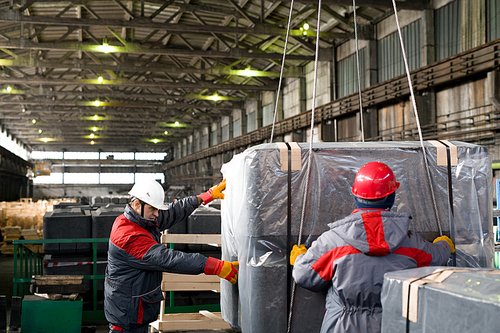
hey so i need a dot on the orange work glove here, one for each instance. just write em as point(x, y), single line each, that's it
point(296, 251)
point(214, 192)
point(447, 240)
point(223, 269)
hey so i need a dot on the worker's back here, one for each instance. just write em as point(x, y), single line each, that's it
point(354, 255)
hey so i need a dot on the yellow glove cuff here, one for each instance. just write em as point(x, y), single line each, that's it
point(296, 251)
point(447, 240)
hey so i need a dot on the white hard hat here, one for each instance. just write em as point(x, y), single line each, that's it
point(149, 191)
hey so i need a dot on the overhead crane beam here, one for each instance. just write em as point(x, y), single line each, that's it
point(14, 16)
point(38, 80)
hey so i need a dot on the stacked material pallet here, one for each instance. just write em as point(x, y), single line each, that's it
point(10, 234)
point(31, 234)
point(449, 298)
point(26, 213)
point(262, 214)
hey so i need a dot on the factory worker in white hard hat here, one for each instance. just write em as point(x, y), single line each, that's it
point(136, 257)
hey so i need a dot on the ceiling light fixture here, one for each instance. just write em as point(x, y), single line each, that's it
point(155, 141)
point(96, 117)
point(33, 121)
point(40, 131)
point(100, 79)
point(166, 132)
point(94, 129)
point(92, 142)
point(92, 135)
point(9, 88)
point(214, 97)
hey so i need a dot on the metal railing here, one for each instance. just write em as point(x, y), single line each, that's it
point(28, 263)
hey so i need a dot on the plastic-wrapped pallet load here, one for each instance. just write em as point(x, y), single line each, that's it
point(255, 210)
point(439, 299)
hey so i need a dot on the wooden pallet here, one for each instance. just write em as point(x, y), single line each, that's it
point(204, 320)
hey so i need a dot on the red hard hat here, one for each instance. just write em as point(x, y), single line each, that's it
point(374, 180)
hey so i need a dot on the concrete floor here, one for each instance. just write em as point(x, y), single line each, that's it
point(6, 288)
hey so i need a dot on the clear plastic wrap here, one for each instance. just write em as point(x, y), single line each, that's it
point(465, 302)
point(254, 217)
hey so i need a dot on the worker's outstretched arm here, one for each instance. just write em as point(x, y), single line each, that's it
point(176, 212)
point(223, 269)
point(214, 192)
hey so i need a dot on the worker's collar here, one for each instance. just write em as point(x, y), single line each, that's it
point(133, 216)
point(369, 209)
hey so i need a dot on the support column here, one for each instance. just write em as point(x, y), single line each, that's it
point(428, 55)
point(372, 64)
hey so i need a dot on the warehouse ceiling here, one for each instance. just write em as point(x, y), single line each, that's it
point(140, 75)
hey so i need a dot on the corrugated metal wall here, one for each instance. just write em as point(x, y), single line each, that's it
point(473, 23)
point(465, 106)
point(348, 74)
point(348, 129)
point(493, 21)
point(447, 29)
point(394, 120)
point(390, 56)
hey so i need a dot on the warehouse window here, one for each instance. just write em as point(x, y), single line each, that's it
point(447, 29)
point(493, 17)
point(225, 132)
point(150, 156)
point(115, 178)
point(56, 155)
point(390, 57)
point(96, 177)
point(117, 156)
point(204, 141)
point(251, 122)
point(237, 127)
point(75, 155)
point(348, 73)
point(267, 114)
point(54, 178)
point(143, 176)
point(46, 155)
point(81, 178)
point(214, 138)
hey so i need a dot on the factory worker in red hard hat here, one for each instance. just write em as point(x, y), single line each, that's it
point(136, 257)
point(350, 259)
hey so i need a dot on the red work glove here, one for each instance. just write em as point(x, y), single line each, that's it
point(224, 269)
point(214, 193)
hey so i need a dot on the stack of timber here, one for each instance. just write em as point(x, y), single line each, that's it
point(26, 213)
point(10, 234)
point(31, 234)
point(56, 287)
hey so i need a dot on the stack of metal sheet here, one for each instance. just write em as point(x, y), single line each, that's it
point(416, 300)
point(255, 210)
